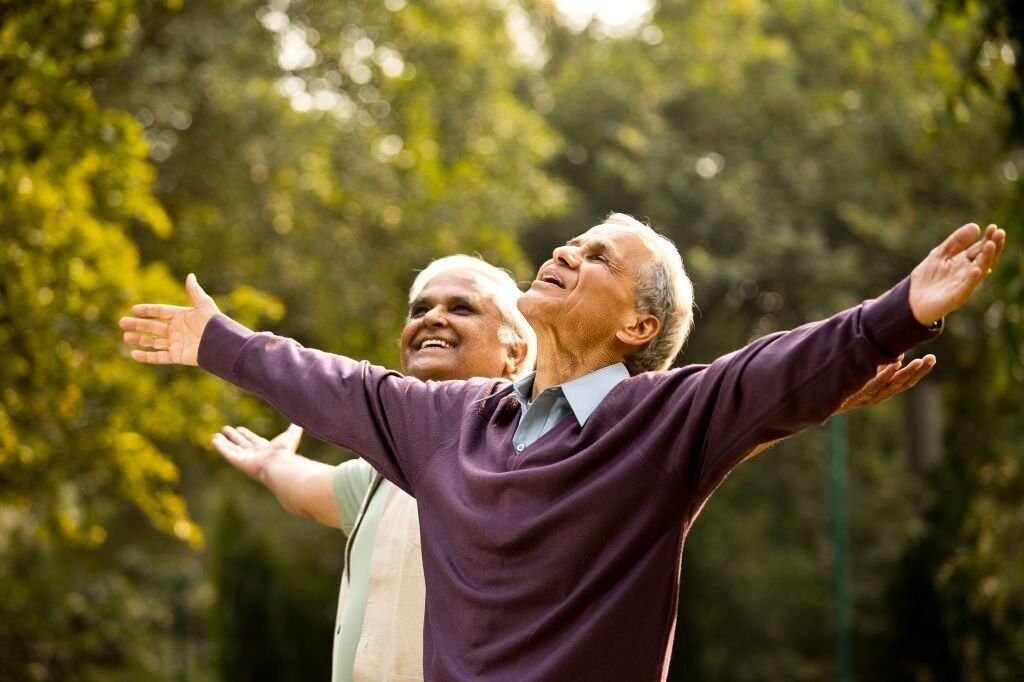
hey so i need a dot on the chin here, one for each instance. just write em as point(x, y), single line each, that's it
point(426, 370)
point(533, 305)
point(540, 311)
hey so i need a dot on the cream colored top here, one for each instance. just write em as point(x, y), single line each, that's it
point(378, 633)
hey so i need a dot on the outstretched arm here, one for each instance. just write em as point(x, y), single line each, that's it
point(394, 422)
point(302, 486)
point(891, 380)
point(781, 384)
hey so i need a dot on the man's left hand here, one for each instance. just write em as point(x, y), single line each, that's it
point(944, 280)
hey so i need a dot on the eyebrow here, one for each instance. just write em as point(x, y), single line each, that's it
point(595, 243)
point(451, 301)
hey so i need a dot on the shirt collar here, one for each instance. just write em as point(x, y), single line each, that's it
point(583, 394)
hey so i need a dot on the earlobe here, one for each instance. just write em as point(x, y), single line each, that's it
point(515, 354)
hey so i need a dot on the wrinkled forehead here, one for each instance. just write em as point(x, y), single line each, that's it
point(627, 242)
point(464, 285)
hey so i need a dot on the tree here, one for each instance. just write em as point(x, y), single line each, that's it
point(77, 455)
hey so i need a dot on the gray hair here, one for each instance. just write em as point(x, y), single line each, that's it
point(501, 289)
point(662, 289)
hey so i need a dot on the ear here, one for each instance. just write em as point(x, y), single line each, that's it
point(515, 355)
point(641, 328)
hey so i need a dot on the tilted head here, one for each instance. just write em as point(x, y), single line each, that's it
point(620, 288)
point(463, 322)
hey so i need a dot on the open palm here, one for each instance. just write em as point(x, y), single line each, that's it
point(250, 453)
point(944, 280)
point(169, 333)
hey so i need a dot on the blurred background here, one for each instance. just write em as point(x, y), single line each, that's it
point(305, 158)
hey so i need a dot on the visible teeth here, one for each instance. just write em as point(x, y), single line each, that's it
point(435, 343)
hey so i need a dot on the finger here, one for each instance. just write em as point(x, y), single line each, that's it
point(289, 438)
point(904, 380)
point(897, 362)
point(986, 259)
point(883, 377)
point(905, 375)
point(921, 373)
point(234, 455)
point(161, 357)
point(999, 239)
point(961, 238)
point(225, 447)
point(135, 324)
point(155, 342)
point(993, 235)
point(869, 392)
point(235, 437)
point(253, 438)
point(974, 249)
point(196, 293)
point(156, 310)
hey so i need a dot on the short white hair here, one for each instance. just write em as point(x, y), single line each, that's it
point(662, 289)
point(501, 289)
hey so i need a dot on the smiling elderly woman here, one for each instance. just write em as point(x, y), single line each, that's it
point(553, 510)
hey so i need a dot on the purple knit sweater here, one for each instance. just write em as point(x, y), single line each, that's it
point(562, 562)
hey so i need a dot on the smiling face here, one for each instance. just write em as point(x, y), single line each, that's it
point(452, 331)
point(585, 294)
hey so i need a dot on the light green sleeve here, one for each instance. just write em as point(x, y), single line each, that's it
point(351, 482)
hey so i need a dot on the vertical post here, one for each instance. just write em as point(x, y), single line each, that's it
point(180, 666)
point(839, 447)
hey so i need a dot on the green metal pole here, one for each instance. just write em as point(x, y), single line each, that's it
point(839, 446)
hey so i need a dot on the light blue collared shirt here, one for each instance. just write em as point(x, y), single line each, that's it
point(579, 396)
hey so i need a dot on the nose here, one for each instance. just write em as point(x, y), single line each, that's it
point(435, 317)
point(568, 256)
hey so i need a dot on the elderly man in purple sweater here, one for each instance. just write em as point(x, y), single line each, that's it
point(553, 510)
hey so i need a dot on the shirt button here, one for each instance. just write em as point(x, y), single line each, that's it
point(520, 447)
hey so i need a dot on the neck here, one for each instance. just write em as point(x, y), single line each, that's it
point(558, 363)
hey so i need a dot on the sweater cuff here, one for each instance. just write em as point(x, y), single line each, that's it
point(220, 345)
point(890, 324)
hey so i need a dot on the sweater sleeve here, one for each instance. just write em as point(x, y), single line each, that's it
point(786, 382)
point(394, 422)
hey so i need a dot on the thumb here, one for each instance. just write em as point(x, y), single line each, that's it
point(290, 437)
point(195, 292)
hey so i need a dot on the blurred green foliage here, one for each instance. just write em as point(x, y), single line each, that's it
point(996, 34)
point(305, 158)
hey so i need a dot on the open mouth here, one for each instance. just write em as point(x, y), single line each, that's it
point(552, 278)
point(435, 343)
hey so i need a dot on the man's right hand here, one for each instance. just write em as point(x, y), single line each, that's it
point(171, 332)
point(891, 379)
